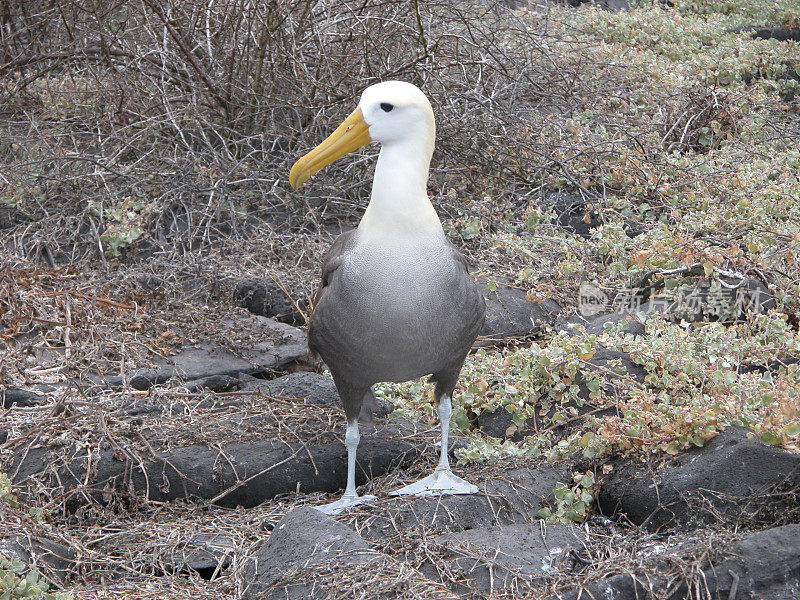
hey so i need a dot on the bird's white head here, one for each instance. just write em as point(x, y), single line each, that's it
point(391, 113)
point(396, 112)
point(398, 116)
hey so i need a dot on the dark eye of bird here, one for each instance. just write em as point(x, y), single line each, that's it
point(386, 106)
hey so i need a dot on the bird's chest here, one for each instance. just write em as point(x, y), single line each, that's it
point(394, 312)
point(398, 279)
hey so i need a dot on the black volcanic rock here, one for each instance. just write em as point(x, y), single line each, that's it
point(733, 477)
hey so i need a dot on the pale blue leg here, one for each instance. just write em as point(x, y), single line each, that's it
point(442, 481)
point(350, 497)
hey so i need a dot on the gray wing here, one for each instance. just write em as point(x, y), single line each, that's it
point(473, 310)
point(332, 260)
point(475, 299)
point(357, 400)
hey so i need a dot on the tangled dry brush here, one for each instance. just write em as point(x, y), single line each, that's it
point(171, 122)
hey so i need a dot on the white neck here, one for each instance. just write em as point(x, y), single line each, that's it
point(399, 205)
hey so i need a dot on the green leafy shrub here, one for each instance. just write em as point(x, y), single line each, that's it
point(124, 222)
point(572, 503)
point(17, 580)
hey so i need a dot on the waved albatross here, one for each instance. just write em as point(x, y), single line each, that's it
point(396, 301)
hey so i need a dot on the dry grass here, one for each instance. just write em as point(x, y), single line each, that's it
point(72, 326)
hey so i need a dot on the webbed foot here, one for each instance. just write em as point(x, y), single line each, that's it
point(334, 508)
point(441, 482)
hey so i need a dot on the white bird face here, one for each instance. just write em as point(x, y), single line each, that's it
point(396, 111)
point(390, 112)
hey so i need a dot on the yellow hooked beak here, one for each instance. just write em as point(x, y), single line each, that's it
point(351, 134)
